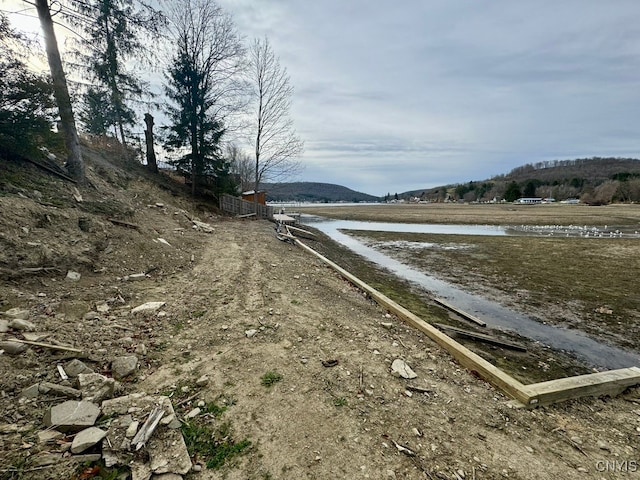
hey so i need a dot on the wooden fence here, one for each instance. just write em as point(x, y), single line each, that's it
point(236, 206)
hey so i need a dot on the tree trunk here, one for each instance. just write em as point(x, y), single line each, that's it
point(152, 164)
point(75, 164)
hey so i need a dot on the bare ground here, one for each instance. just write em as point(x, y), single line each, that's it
point(317, 421)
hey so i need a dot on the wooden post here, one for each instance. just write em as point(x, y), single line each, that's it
point(152, 164)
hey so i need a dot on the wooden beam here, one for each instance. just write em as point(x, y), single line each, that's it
point(300, 230)
point(612, 382)
point(481, 337)
point(462, 313)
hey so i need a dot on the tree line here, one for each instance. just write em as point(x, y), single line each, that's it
point(217, 89)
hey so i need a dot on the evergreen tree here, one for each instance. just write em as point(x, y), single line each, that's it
point(27, 108)
point(208, 54)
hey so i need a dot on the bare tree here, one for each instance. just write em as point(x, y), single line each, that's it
point(241, 166)
point(277, 146)
point(75, 164)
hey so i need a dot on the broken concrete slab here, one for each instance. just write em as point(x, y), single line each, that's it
point(72, 416)
point(95, 387)
point(86, 439)
point(122, 367)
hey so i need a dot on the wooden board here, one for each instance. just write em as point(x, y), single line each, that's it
point(281, 218)
point(482, 337)
point(463, 314)
point(612, 382)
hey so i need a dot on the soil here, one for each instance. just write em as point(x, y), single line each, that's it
point(310, 390)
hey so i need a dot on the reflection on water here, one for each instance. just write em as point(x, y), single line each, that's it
point(593, 352)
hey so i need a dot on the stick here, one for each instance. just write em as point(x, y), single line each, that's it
point(306, 232)
point(418, 389)
point(123, 224)
point(50, 170)
point(47, 345)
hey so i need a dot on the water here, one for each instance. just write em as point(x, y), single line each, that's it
point(591, 351)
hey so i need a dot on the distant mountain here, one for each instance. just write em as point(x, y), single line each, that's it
point(592, 180)
point(313, 192)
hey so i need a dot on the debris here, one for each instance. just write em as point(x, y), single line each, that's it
point(604, 310)
point(163, 241)
point(134, 277)
point(16, 314)
point(123, 224)
point(4, 326)
point(400, 369)
point(202, 381)
point(22, 325)
point(193, 413)
point(13, 347)
point(47, 345)
point(122, 367)
point(86, 439)
point(49, 436)
point(72, 416)
point(52, 388)
point(145, 433)
point(148, 307)
point(95, 387)
point(73, 276)
point(75, 367)
point(251, 332)
point(329, 363)
point(481, 337)
point(402, 449)
point(205, 227)
point(418, 389)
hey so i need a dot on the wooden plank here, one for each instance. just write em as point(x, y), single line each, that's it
point(466, 357)
point(462, 313)
point(300, 230)
point(481, 337)
point(282, 218)
point(124, 224)
point(612, 382)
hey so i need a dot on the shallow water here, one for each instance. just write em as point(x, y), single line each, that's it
point(593, 352)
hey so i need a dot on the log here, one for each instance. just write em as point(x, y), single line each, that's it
point(481, 337)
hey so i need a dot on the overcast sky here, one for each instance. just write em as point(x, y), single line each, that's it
point(397, 96)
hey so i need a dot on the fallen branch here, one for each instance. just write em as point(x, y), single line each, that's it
point(50, 170)
point(47, 345)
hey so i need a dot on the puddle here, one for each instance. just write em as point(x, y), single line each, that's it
point(593, 352)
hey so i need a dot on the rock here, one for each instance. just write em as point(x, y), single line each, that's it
point(72, 416)
point(387, 325)
point(604, 446)
point(167, 476)
point(141, 349)
point(193, 413)
point(4, 326)
point(95, 387)
point(31, 392)
point(86, 439)
point(148, 307)
point(202, 381)
point(102, 307)
point(122, 367)
point(35, 337)
point(132, 429)
point(134, 277)
point(44, 459)
point(72, 276)
point(75, 367)
point(91, 315)
point(13, 348)
point(16, 314)
point(400, 369)
point(49, 436)
point(54, 389)
point(250, 333)
point(22, 325)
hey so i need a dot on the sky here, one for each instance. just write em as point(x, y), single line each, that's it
point(413, 94)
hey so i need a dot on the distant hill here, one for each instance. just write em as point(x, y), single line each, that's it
point(592, 180)
point(313, 192)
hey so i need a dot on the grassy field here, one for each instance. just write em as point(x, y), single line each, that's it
point(486, 214)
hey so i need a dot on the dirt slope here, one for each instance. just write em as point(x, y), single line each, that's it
point(310, 389)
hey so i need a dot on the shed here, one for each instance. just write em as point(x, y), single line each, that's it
point(250, 196)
